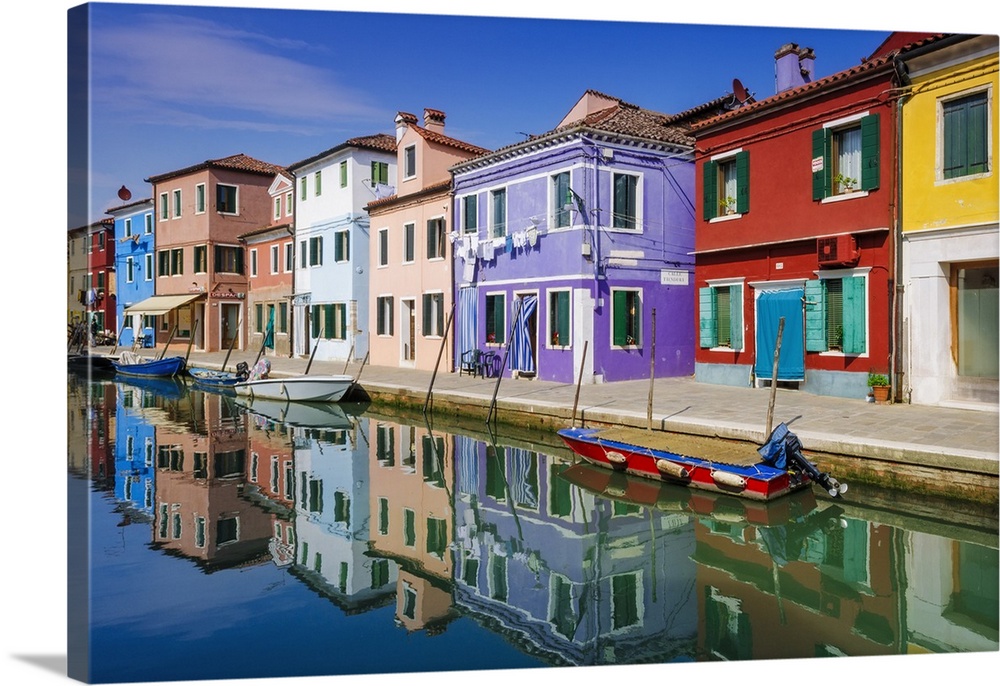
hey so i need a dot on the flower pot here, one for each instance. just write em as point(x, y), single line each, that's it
point(881, 393)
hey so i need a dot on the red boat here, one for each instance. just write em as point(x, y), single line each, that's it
point(734, 467)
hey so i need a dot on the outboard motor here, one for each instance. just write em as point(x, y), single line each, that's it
point(242, 371)
point(783, 450)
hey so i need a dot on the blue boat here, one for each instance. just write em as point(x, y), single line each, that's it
point(216, 379)
point(129, 364)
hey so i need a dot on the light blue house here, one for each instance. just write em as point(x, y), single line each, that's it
point(581, 238)
point(135, 247)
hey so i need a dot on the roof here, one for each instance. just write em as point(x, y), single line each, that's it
point(129, 205)
point(379, 142)
point(238, 162)
point(264, 230)
point(391, 200)
point(881, 61)
point(448, 141)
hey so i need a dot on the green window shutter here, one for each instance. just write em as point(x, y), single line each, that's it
point(736, 317)
point(498, 320)
point(562, 317)
point(821, 150)
point(620, 318)
point(315, 321)
point(343, 321)
point(427, 314)
point(854, 314)
point(815, 307)
point(343, 175)
point(869, 152)
point(328, 321)
point(977, 140)
point(710, 192)
point(708, 323)
point(742, 182)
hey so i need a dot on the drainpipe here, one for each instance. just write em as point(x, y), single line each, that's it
point(291, 297)
point(896, 339)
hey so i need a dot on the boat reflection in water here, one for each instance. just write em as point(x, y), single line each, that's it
point(462, 550)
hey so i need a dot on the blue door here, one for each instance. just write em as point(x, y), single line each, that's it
point(771, 307)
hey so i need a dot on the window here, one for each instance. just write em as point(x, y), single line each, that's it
point(495, 309)
point(498, 213)
point(302, 189)
point(343, 174)
point(410, 162)
point(129, 269)
point(164, 207)
point(275, 260)
point(149, 223)
point(258, 318)
point(177, 203)
point(318, 183)
point(342, 246)
point(846, 156)
point(282, 317)
point(562, 200)
point(384, 315)
point(720, 316)
point(625, 203)
point(974, 306)
point(470, 214)
point(229, 259)
point(965, 136)
point(408, 242)
point(148, 266)
point(383, 247)
point(128, 228)
point(559, 335)
point(289, 256)
point(836, 314)
point(100, 240)
point(253, 262)
point(303, 254)
point(277, 207)
point(626, 316)
point(200, 259)
point(380, 173)
point(437, 537)
point(433, 304)
point(288, 204)
point(315, 251)
point(727, 185)
point(335, 321)
point(624, 601)
point(225, 198)
point(175, 265)
point(199, 198)
point(383, 516)
point(435, 238)
point(409, 528)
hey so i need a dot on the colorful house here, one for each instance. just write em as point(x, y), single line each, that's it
point(332, 234)
point(135, 249)
point(76, 277)
point(201, 276)
point(99, 285)
point(796, 195)
point(271, 266)
point(580, 236)
point(411, 263)
point(949, 213)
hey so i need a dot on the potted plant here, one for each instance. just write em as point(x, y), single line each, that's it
point(879, 383)
point(728, 204)
point(846, 183)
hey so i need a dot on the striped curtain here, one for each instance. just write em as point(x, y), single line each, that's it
point(522, 356)
point(466, 325)
point(523, 477)
point(467, 464)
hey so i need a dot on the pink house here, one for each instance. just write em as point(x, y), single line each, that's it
point(411, 264)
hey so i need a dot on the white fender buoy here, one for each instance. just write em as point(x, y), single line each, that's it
point(729, 480)
point(668, 468)
point(616, 458)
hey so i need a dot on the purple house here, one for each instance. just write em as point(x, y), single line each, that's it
point(581, 238)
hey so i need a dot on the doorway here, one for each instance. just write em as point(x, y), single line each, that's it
point(771, 307)
point(229, 315)
point(408, 329)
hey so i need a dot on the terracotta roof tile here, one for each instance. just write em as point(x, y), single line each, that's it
point(441, 139)
point(379, 142)
point(390, 200)
point(239, 162)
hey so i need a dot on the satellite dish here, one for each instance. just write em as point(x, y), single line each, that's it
point(124, 193)
point(740, 92)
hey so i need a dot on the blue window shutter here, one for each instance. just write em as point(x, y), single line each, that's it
point(869, 153)
point(708, 321)
point(815, 305)
point(710, 192)
point(736, 317)
point(742, 182)
point(854, 314)
point(821, 149)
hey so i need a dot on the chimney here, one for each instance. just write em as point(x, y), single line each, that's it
point(793, 67)
point(403, 120)
point(434, 120)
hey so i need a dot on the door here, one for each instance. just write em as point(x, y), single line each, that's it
point(408, 329)
point(771, 307)
point(229, 315)
point(523, 358)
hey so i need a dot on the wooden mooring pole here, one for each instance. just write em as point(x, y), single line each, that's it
point(774, 378)
point(652, 373)
point(579, 380)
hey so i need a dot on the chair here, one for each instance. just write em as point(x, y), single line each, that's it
point(471, 362)
point(491, 364)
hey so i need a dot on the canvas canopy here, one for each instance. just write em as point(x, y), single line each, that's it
point(160, 304)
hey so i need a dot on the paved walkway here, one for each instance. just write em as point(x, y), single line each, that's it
point(964, 439)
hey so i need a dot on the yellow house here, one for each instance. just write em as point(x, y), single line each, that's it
point(948, 218)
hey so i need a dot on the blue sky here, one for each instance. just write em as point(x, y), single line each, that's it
point(491, 85)
point(172, 86)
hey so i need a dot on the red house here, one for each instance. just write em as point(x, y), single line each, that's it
point(99, 285)
point(797, 197)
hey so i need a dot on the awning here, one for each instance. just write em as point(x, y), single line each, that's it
point(161, 304)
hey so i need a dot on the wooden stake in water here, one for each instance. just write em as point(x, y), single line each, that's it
point(774, 378)
point(579, 380)
point(652, 372)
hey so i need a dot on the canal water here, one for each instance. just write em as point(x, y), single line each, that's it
point(227, 542)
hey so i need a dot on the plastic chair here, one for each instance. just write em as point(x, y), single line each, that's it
point(471, 362)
